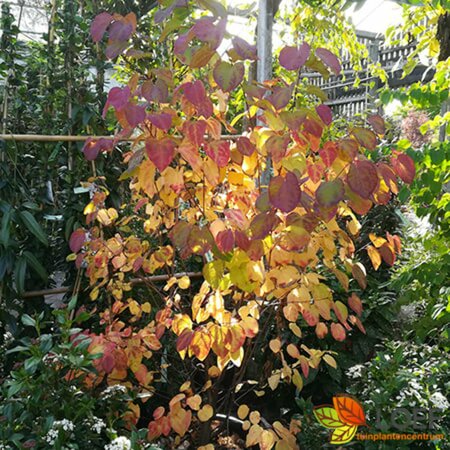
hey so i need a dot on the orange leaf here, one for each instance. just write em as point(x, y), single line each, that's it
point(350, 411)
point(200, 344)
point(180, 419)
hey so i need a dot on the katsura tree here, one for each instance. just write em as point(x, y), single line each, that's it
point(205, 346)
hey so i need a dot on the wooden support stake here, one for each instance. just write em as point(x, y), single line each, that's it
point(62, 138)
point(133, 281)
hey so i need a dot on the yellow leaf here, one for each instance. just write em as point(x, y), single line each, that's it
point(268, 439)
point(184, 282)
point(194, 402)
point(255, 417)
point(295, 329)
point(297, 380)
point(205, 413)
point(243, 411)
point(374, 256)
point(185, 386)
point(253, 435)
point(274, 381)
point(377, 241)
point(343, 434)
point(275, 345)
point(330, 361)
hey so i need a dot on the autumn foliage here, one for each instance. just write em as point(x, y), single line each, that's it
point(267, 253)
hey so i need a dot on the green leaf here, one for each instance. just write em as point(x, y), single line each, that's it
point(34, 263)
point(213, 272)
point(330, 193)
point(72, 303)
point(32, 225)
point(328, 417)
point(4, 233)
point(19, 274)
point(28, 321)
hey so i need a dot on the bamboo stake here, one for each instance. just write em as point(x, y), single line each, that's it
point(65, 138)
point(133, 281)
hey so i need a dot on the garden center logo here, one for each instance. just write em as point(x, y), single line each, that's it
point(343, 417)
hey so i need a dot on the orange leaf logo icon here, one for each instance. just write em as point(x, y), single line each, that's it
point(343, 417)
point(349, 410)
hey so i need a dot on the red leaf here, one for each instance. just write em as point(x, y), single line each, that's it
point(99, 25)
point(225, 241)
point(184, 339)
point(293, 119)
point(329, 59)
point(330, 193)
point(328, 153)
point(195, 93)
point(281, 95)
point(155, 92)
point(77, 240)
point(284, 192)
point(387, 253)
point(92, 148)
point(160, 152)
point(363, 178)
point(292, 58)
point(388, 176)
point(245, 146)
point(315, 171)
point(190, 153)
point(115, 48)
point(134, 114)
point(241, 239)
point(228, 76)
point(338, 332)
point(120, 31)
point(117, 98)
point(263, 224)
point(313, 127)
point(219, 152)
point(179, 235)
point(324, 112)
point(358, 204)
point(107, 363)
point(404, 167)
point(348, 149)
point(377, 123)
point(195, 131)
point(276, 146)
point(236, 216)
point(200, 240)
point(355, 304)
point(243, 49)
point(206, 31)
point(365, 137)
point(162, 121)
